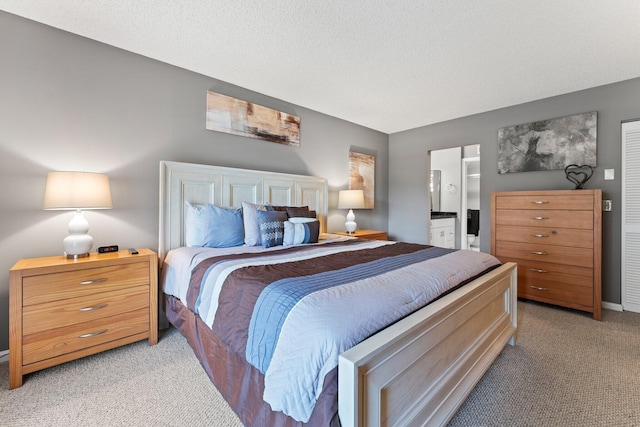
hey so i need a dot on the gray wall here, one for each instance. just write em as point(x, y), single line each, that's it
point(69, 103)
point(408, 164)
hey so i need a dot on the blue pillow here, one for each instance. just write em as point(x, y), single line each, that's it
point(271, 225)
point(213, 226)
point(301, 230)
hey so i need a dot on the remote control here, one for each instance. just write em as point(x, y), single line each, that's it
point(132, 251)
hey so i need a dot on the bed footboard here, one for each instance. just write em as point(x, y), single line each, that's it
point(421, 369)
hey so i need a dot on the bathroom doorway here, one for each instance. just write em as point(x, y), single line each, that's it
point(457, 194)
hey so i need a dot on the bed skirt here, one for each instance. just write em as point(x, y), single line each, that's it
point(240, 383)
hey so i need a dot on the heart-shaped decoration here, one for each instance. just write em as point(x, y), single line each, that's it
point(578, 174)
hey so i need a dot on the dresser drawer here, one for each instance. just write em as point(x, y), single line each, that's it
point(573, 237)
point(545, 253)
point(61, 313)
point(566, 273)
point(59, 341)
point(83, 282)
point(555, 292)
point(545, 218)
point(573, 201)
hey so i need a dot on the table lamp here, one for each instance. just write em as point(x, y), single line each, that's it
point(77, 191)
point(350, 199)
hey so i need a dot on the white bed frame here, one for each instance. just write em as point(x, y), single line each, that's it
point(415, 372)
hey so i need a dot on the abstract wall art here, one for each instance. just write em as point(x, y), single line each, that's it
point(238, 117)
point(362, 171)
point(548, 144)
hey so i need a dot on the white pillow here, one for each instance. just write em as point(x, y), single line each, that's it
point(251, 224)
point(195, 222)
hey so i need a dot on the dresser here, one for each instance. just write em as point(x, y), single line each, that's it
point(62, 309)
point(555, 237)
point(366, 234)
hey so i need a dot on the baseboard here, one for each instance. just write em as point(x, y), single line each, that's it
point(612, 306)
point(4, 356)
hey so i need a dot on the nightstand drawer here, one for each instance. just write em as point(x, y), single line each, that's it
point(77, 283)
point(61, 313)
point(67, 339)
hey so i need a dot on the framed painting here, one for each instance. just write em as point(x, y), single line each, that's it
point(549, 144)
point(362, 170)
point(238, 117)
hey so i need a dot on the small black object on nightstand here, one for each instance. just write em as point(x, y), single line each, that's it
point(132, 251)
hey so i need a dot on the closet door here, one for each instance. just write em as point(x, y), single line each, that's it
point(631, 216)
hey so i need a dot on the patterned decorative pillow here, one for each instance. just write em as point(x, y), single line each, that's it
point(301, 230)
point(271, 225)
point(251, 226)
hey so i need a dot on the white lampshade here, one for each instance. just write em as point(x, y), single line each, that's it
point(77, 191)
point(350, 199)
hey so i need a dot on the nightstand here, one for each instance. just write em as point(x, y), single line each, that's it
point(63, 309)
point(366, 234)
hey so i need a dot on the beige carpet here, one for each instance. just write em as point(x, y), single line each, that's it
point(565, 370)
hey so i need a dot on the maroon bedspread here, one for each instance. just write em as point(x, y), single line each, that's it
point(221, 350)
point(243, 287)
point(241, 384)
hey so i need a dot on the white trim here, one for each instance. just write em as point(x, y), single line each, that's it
point(630, 235)
point(463, 201)
point(4, 356)
point(612, 306)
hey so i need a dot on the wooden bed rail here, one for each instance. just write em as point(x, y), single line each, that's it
point(421, 369)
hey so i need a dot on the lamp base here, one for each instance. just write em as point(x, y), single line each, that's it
point(76, 256)
point(78, 243)
point(350, 226)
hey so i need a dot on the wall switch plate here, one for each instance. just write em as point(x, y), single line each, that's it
point(606, 205)
point(609, 174)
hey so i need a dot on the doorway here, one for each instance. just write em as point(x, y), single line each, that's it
point(455, 195)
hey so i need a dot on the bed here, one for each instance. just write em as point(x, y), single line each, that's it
point(416, 371)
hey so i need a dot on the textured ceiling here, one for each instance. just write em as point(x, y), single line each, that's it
point(388, 65)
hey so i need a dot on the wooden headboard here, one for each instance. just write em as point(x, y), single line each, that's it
point(222, 186)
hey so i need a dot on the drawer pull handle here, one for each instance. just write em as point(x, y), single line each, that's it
point(540, 202)
point(539, 253)
point(95, 307)
point(539, 235)
point(537, 270)
point(539, 288)
point(93, 334)
point(91, 282)
point(540, 218)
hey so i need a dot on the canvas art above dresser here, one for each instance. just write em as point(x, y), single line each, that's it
point(555, 237)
